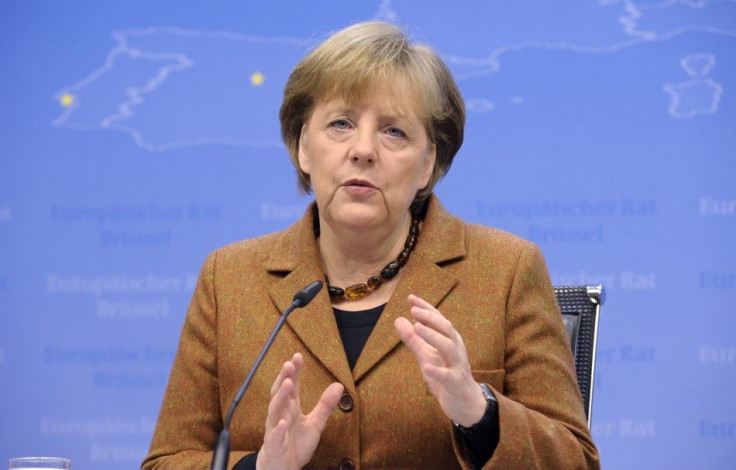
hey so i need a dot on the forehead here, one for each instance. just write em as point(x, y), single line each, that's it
point(396, 97)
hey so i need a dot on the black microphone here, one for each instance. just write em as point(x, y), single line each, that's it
point(306, 295)
point(222, 449)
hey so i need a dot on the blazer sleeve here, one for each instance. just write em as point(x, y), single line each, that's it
point(190, 419)
point(541, 418)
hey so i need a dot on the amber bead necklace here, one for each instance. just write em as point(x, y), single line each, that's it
point(357, 291)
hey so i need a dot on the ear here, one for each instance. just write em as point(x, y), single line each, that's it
point(428, 166)
point(303, 157)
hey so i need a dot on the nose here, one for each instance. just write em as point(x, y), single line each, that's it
point(364, 148)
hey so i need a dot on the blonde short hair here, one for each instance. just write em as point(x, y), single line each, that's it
point(350, 64)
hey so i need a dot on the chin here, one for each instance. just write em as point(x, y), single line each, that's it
point(359, 216)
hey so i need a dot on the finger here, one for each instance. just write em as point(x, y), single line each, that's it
point(446, 348)
point(275, 439)
point(416, 301)
point(414, 342)
point(424, 353)
point(425, 312)
point(298, 361)
point(278, 407)
point(437, 374)
point(327, 402)
point(287, 370)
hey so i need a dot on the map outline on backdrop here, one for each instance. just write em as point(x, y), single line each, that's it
point(472, 68)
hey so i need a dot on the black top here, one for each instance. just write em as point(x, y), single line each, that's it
point(355, 328)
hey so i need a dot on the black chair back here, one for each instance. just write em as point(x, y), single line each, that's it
point(580, 306)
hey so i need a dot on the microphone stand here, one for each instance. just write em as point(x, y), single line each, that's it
point(222, 449)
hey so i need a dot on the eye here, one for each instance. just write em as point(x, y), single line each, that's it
point(340, 124)
point(393, 131)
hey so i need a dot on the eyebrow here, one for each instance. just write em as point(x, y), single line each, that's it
point(341, 106)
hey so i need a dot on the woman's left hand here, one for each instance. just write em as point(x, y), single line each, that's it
point(443, 359)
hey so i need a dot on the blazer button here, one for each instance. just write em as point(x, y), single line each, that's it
point(347, 464)
point(346, 403)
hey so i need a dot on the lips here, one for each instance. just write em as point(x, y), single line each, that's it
point(359, 183)
point(359, 188)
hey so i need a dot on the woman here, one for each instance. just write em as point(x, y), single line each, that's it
point(446, 350)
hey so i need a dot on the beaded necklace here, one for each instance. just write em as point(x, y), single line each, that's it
point(357, 291)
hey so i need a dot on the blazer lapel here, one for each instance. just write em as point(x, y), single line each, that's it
point(442, 239)
point(296, 254)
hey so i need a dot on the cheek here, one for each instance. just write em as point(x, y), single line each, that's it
point(422, 173)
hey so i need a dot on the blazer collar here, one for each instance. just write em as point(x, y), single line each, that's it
point(296, 256)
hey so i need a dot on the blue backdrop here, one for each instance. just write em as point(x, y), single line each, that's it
point(138, 136)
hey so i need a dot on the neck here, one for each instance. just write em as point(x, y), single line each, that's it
point(350, 256)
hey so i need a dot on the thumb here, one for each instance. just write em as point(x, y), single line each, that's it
point(327, 402)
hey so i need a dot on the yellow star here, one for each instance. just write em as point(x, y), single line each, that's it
point(66, 100)
point(257, 79)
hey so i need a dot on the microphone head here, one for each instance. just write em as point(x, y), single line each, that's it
point(304, 296)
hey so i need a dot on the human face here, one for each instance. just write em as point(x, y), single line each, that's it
point(366, 160)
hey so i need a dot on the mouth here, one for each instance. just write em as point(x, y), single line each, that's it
point(355, 182)
point(359, 189)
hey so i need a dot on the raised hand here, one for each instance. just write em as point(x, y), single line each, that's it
point(443, 360)
point(291, 437)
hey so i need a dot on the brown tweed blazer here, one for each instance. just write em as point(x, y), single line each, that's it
point(495, 289)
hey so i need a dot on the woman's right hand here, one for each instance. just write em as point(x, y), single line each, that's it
point(291, 437)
